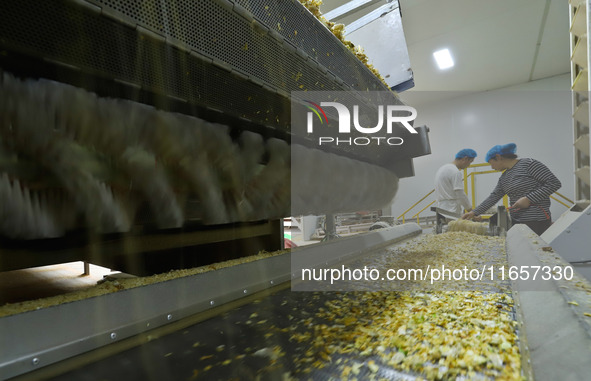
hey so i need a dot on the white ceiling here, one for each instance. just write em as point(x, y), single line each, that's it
point(494, 43)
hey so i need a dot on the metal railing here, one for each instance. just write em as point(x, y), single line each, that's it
point(563, 197)
point(472, 176)
point(403, 215)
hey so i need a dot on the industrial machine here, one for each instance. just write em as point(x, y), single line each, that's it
point(129, 129)
point(158, 135)
point(442, 216)
point(150, 136)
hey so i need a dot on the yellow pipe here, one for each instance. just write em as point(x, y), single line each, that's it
point(557, 200)
point(420, 211)
point(473, 180)
point(481, 172)
point(415, 204)
point(473, 185)
point(466, 180)
point(564, 197)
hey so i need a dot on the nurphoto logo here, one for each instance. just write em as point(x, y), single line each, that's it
point(388, 115)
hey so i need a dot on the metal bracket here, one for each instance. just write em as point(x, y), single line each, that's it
point(348, 8)
point(373, 15)
point(503, 221)
point(441, 218)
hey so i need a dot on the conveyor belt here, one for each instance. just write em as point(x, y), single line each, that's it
point(328, 335)
point(251, 342)
point(475, 332)
point(258, 341)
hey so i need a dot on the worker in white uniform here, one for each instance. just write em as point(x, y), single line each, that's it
point(449, 187)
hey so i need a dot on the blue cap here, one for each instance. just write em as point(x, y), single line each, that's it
point(508, 148)
point(466, 152)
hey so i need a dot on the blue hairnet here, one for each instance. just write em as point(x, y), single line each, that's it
point(466, 152)
point(508, 148)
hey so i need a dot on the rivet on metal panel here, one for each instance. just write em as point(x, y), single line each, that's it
point(211, 302)
point(169, 317)
point(35, 361)
point(113, 335)
point(272, 282)
point(245, 291)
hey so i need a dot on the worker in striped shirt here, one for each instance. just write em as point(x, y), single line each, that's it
point(527, 182)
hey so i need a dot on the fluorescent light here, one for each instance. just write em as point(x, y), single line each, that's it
point(443, 58)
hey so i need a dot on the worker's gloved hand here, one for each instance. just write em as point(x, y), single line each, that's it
point(468, 216)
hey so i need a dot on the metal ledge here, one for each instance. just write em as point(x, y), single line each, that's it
point(555, 338)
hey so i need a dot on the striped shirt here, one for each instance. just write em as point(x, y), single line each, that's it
point(527, 178)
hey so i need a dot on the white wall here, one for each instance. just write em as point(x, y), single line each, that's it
point(536, 116)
